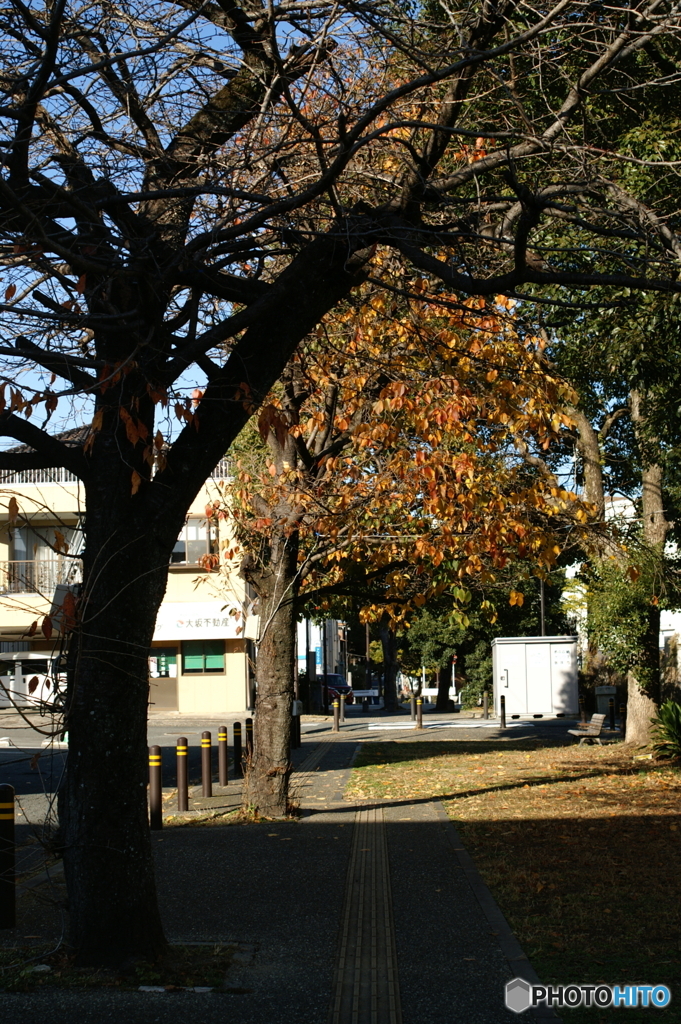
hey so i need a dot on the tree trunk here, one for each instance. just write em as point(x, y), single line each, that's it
point(640, 709)
point(444, 682)
point(589, 447)
point(644, 685)
point(267, 774)
point(113, 913)
point(390, 663)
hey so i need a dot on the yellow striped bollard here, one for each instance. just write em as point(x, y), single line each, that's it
point(155, 789)
point(223, 758)
point(182, 775)
point(206, 767)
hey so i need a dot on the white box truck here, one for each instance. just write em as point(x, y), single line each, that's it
point(537, 675)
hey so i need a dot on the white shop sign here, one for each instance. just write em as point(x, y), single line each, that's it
point(199, 620)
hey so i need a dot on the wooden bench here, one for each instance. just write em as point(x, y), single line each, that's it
point(589, 731)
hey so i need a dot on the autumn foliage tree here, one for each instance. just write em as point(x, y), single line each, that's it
point(387, 470)
point(187, 190)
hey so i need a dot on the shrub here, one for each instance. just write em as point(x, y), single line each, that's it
point(667, 730)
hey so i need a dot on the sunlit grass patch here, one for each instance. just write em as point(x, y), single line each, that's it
point(580, 846)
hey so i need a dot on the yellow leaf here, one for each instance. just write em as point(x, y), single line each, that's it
point(136, 481)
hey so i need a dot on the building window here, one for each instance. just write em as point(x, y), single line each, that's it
point(197, 540)
point(40, 544)
point(203, 656)
point(163, 663)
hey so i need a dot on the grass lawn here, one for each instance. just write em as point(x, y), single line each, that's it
point(580, 846)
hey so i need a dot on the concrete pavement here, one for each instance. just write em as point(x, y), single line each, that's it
point(355, 914)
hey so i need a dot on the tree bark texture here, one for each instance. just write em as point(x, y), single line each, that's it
point(390, 663)
point(113, 913)
point(640, 709)
point(444, 682)
point(644, 687)
point(588, 445)
point(268, 772)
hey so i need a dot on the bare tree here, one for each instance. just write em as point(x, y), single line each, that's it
point(187, 188)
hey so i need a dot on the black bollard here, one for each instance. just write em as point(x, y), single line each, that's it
point(8, 912)
point(155, 789)
point(365, 704)
point(249, 738)
point(623, 719)
point(342, 707)
point(238, 752)
point(485, 703)
point(206, 767)
point(223, 758)
point(295, 727)
point(182, 776)
point(582, 709)
point(336, 716)
point(502, 711)
point(412, 703)
point(611, 709)
point(419, 713)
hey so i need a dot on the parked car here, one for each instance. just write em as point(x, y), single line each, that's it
point(338, 685)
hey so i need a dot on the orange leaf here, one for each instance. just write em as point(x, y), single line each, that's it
point(10, 292)
point(33, 684)
point(69, 610)
point(80, 287)
point(32, 628)
point(131, 430)
point(47, 627)
point(13, 509)
point(136, 481)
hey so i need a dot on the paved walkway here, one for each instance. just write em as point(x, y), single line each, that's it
point(356, 914)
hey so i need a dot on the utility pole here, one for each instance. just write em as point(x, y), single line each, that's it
point(326, 668)
point(541, 607)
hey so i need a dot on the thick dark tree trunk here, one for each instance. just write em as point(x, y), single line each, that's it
point(444, 682)
point(267, 776)
point(113, 912)
point(390, 663)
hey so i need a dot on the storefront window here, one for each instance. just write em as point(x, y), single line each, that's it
point(203, 656)
point(163, 663)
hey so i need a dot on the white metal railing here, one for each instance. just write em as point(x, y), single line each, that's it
point(222, 470)
point(51, 475)
point(59, 475)
point(39, 577)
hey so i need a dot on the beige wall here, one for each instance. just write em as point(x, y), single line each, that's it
point(204, 693)
point(52, 505)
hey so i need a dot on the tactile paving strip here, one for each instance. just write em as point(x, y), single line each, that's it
point(366, 986)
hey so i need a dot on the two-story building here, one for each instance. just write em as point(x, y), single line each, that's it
point(200, 661)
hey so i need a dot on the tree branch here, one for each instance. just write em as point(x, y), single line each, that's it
point(52, 451)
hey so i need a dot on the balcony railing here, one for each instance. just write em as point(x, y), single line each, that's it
point(53, 475)
point(59, 475)
point(39, 577)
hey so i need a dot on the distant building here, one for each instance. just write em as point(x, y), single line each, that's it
point(199, 659)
